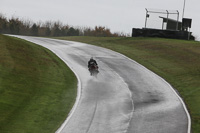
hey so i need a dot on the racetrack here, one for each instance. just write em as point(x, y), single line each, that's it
point(124, 98)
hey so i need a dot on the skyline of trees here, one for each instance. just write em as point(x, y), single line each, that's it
point(50, 28)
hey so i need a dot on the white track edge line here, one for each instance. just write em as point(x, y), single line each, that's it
point(77, 98)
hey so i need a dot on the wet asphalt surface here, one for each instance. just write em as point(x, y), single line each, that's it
point(125, 97)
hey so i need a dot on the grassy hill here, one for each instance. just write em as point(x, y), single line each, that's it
point(177, 61)
point(37, 90)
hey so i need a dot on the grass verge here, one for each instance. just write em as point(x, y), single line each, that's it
point(37, 90)
point(177, 61)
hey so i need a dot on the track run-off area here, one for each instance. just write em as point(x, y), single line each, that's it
point(125, 97)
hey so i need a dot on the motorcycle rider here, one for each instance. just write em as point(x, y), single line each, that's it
point(92, 62)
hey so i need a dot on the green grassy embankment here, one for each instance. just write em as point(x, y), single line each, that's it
point(37, 90)
point(177, 61)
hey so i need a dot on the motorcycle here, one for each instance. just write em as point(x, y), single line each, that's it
point(94, 70)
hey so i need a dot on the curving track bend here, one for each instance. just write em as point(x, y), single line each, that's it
point(125, 97)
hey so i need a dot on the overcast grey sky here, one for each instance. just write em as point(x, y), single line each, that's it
point(118, 15)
